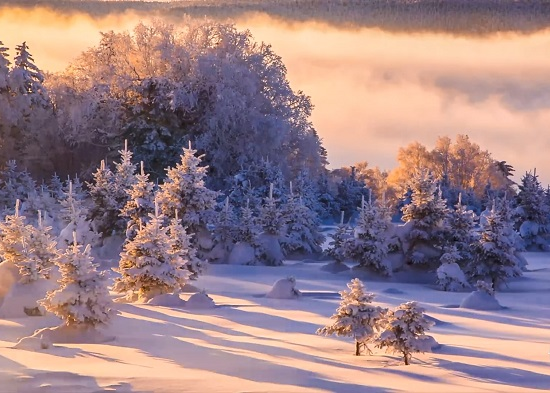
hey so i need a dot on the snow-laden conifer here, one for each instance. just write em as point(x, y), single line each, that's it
point(184, 190)
point(74, 218)
point(124, 177)
point(104, 212)
point(356, 316)
point(140, 203)
point(460, 232)
point(302, 227)
point(370, 244)
point(494, 256)
point(42, 245)
point(532, 212)
point(248, 229)
point(183, 251)
point(426, 214)
point(82, 298)
point(271, 221)
point(147, 265)
point(339, 247)
point(403, 331)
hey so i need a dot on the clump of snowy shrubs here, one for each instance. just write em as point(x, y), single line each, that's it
point(398, 331)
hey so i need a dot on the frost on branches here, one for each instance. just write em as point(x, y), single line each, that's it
point(426, 214)
point(82, 298)
point(356, 316)
point(140, 203)
point(184, 190)
point(370, 244)
point(147, 265)
point(494, 256)
point(302, 228)
point(403, 331)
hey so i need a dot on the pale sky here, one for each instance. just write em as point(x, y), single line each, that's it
point(373, 91)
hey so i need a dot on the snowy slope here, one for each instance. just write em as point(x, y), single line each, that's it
point(253, 343)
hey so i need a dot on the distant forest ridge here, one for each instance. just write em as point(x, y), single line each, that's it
point(468, 17)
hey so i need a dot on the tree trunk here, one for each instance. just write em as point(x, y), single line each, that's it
point(357, 348)
point(406, 358)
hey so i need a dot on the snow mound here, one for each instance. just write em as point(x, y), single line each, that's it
point(480, 300)
point(242, 254)
point(22, 299)
point(33, 343)
point(199, 301)
point(167, 300)
point(285, 288)
point(426, 343)
point(64, 334)
point(334, 267)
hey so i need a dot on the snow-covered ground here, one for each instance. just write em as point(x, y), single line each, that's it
point(249, 342)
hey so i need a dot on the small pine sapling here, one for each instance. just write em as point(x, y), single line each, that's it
point(182, 250)
point(403, 331)
point(450, 276)
point(356, 316)
point(82, 298)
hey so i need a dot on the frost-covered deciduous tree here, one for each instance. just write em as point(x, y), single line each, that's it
point(403, 331)
point(370, 244)
point(82, 299)
point(147, 265)
point(532, 212)
point(426, 215)
point(184, 190)
point(494, 256)
point(356, 316)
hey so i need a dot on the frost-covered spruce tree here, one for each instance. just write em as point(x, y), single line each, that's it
point(104, 212)
point(140, 203)
point(356, 316)
point(56, 187)
point(14, 184)
point(184, 191)
point(450, 276)
point(403, 331)
point(494, 256)
point(532, 212)
point(124, 177)
point(147, 265)
point(248, 229)
point(224, 232)
point(370, 244)
point(426, 214)
point(42, 245)
point(183, 251)
point(74, 218)
point(272, 221)
point(461, 231)
point(82, 299)
point(341, 243)
point(302, 227)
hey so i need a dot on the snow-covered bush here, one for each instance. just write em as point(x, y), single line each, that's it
point(403, 331)
point(450, 276)
point(481, 299)
point(82, 298)
point(356, 316)
point(285, 288)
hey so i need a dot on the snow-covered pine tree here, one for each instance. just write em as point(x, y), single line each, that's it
point(82, 299)
point(302, 228)
point(42, 245)
point(450, 276)
point(147, 265)
point(224, 232)
point(73, 214)
point(124, 177)
point(56, 187)
point(494, 256)
point(183, 251)
point(4, 69)
point(272, 221)
point(140, 203)
point(461, 232)
point(342, 241)
point(532, 212)
point(350, 192)
point(104, 212)
point(248, 229)
point(403, 331)
point(370, 244)
point(184, 190)
point(356, 316)
point(426, 214)
point(14, 184)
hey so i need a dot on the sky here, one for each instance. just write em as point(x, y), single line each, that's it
point(374, 91)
